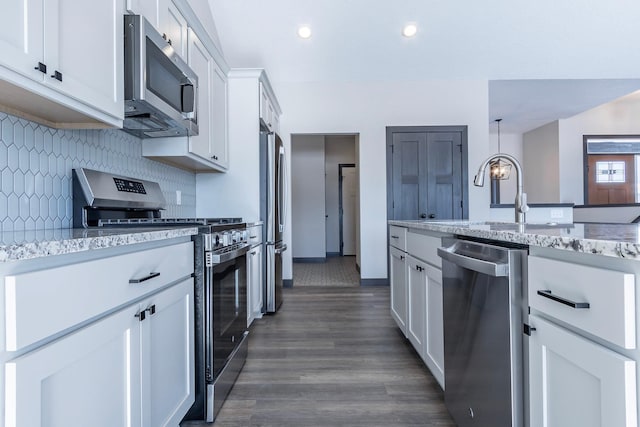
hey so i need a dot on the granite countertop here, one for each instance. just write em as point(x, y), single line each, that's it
point(21, 245)
point(615, 240)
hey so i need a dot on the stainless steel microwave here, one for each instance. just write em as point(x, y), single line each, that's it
point(160, 90)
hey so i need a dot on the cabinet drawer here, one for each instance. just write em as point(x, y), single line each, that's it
point(610, 295)
point(254, 235)
point(424, 247)
point(398, 237)
point(43, 303)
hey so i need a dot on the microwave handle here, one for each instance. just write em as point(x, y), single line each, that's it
point(188, 97)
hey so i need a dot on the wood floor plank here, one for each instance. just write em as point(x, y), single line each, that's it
point(332, 356)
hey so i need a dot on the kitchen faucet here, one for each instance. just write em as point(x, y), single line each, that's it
point(521, 206)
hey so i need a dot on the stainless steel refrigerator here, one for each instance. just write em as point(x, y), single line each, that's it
point(273, 195)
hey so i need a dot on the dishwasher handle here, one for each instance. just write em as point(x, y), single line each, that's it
point(485, 267)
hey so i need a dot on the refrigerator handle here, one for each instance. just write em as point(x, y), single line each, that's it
point(283, 187)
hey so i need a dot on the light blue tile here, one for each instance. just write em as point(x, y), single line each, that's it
point(43, 207)
point(38, 139)
point(34, 161)
point(44, 163)
point(23, 159)
point(7, 225)
point(48, 222)
point(34, 207)
point(7, 181)
point(4, 205)
point(29, 183)
point(53, 207)
point(48, 142)
point(61, 169)
point(4, 156)
point(30, 224)
point(13, 158)
point(39, 184)
point(18, 135)
point(57, 186)
point(53, 165)
point(28, 137)
point(48, 185)
point(62, 208)
point(13, 207)
point(23, 201)
point(7, 131)
point(18, 183)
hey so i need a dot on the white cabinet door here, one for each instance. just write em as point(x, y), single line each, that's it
point(201, 62)
point(218, 117)
point(79, 45)
point(21, 37)
point(173, 27)
point(84, 44)
point(255, 281)
point(434, 341)
point(167, 348)
point(576, 382)
point(398, 279)
point(91, 377)
point(417, 307)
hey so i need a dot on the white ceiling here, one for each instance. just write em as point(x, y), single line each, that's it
point(529, 51)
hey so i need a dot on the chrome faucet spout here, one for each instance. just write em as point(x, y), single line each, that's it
point(521, 206)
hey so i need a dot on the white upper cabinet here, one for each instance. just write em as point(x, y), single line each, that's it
point(207, 151)
point(269, 111)
point(173, 27)
point(66, 51)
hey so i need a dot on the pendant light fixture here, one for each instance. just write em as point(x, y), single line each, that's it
point(500, 169)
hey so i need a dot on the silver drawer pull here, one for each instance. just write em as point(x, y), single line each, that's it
point(547, 294)
point(395, 237)
point(145, 278)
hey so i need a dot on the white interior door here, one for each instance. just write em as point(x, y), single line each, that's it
point(348, 203)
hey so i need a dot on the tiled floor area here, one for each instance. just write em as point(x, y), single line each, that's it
point(336, 271)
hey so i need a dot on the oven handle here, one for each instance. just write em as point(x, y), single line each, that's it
point(213, 259)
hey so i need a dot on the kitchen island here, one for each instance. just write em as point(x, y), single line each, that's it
point(580, 354)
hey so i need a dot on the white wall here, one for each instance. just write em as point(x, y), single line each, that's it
point(307, 196)
point(236, 193)
point(541, 164)
point(367, 108)
point(618, 117)
point(338, 149)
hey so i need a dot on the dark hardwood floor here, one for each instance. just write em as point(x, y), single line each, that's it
point(333, 357)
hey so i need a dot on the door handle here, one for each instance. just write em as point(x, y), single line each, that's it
point(423, 215)
point(547, 294)
point(432, 215)
point(145, 278)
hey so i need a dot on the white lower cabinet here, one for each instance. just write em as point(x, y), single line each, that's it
point(255, 284)
point(577, 382)
point(425, 328)
point(132, 368)
point(167, 354)
point(416, 316)
point(398, 284)
point(91, 377)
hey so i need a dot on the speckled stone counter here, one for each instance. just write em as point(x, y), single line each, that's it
point(22, 245)
point(615, 240)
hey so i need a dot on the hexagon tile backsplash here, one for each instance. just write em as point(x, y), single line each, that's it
point(35, 172)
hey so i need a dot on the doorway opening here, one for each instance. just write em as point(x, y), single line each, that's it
point(325, 210)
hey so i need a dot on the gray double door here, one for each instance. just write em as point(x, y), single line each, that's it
point(427, 172)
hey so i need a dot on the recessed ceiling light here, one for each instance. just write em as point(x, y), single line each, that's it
point(409, 30)
point(304, 32)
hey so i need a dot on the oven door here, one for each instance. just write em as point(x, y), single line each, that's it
point(227, 313)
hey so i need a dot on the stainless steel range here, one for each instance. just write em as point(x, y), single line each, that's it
point(106, 200)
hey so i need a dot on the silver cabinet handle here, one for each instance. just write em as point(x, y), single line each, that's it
point(281, 249)
point(145, 278)
point(395, 237)
point(547, 294)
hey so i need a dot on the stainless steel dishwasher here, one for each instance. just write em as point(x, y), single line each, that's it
point(482, 305)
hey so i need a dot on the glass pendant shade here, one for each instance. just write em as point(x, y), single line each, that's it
point(500, 169)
